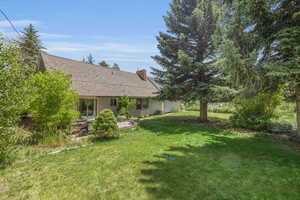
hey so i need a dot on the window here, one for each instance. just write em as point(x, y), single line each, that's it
point(145, 103)
point(87, 107)
point(142, 104)
point(139, 104)
point(113, 102)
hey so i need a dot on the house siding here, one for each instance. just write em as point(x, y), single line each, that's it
point(155, 106)
point(104, 103)
point(171, 106)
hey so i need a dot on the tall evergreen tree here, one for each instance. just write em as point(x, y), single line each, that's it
point(272, 27)
point(188, 55)
point(89, 59)
point(31, 47)
point(280, 28)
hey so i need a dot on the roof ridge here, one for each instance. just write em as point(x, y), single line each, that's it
point(92, 65)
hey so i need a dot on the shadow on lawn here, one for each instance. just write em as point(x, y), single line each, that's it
point(224, 168)
point(175, 125)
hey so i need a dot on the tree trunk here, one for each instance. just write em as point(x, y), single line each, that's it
point(203, 111)
point(298, 107)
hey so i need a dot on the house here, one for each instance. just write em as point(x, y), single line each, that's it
point(99, 87)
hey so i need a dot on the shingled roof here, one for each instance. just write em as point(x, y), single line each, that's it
point(92, 80)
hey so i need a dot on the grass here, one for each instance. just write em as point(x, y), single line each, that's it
point(165, 158)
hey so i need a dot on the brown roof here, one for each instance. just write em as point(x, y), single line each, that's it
point(92, 80)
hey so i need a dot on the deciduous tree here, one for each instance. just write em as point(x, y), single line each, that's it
point(53, 101)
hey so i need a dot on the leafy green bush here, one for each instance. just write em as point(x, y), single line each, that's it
point(105, 124)
point(23, 136)
point(7, 146)
point(13, 96)
point(47, 138)
point(256, 113)
point(52, 138)
point(123, 106)
point(53, 102)
point(287, 107)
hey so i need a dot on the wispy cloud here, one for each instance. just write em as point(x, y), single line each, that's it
point(54, 36)
point(111, 47)
point(8, 34)
point(18, 23)
point(127, 59)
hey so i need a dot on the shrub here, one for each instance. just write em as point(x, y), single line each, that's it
point(53, 103)
point(256, 113)
point(105, 124)
point(7, 146)
point(287, 107)
point(52, 138)
point(23, 136)
point(123, 106)
point(13, 96)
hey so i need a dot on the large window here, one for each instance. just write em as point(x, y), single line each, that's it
point(113, 102)
point(142, 104)
point(139, 104)
point(145, 103)
point(87, 107)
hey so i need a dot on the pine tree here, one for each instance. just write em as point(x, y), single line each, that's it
point(273, 28)
point(188, 55)
point(116, 67)
point(31, 47)
point(104, 64)
point(283, 56)
point(89, 59)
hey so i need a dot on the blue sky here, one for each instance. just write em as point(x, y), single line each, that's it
point(117, 31)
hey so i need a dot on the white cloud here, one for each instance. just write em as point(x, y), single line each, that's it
point(54, 36)
point(8, 34)
point(18, 23)
point(127, 59)
point(109, 47)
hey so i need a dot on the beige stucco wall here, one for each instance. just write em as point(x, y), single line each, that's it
point(104, 103)
point(155, 106)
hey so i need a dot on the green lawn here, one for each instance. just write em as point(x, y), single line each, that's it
point(165, 158)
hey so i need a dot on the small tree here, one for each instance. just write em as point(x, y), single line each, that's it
point(104, 64)
point(123, 106)
point(13, 95)
point(116, 67)
point(53, 102)
point(105, 124)
point(31, 47)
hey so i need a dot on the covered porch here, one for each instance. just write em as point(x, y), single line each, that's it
point(89, 106)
